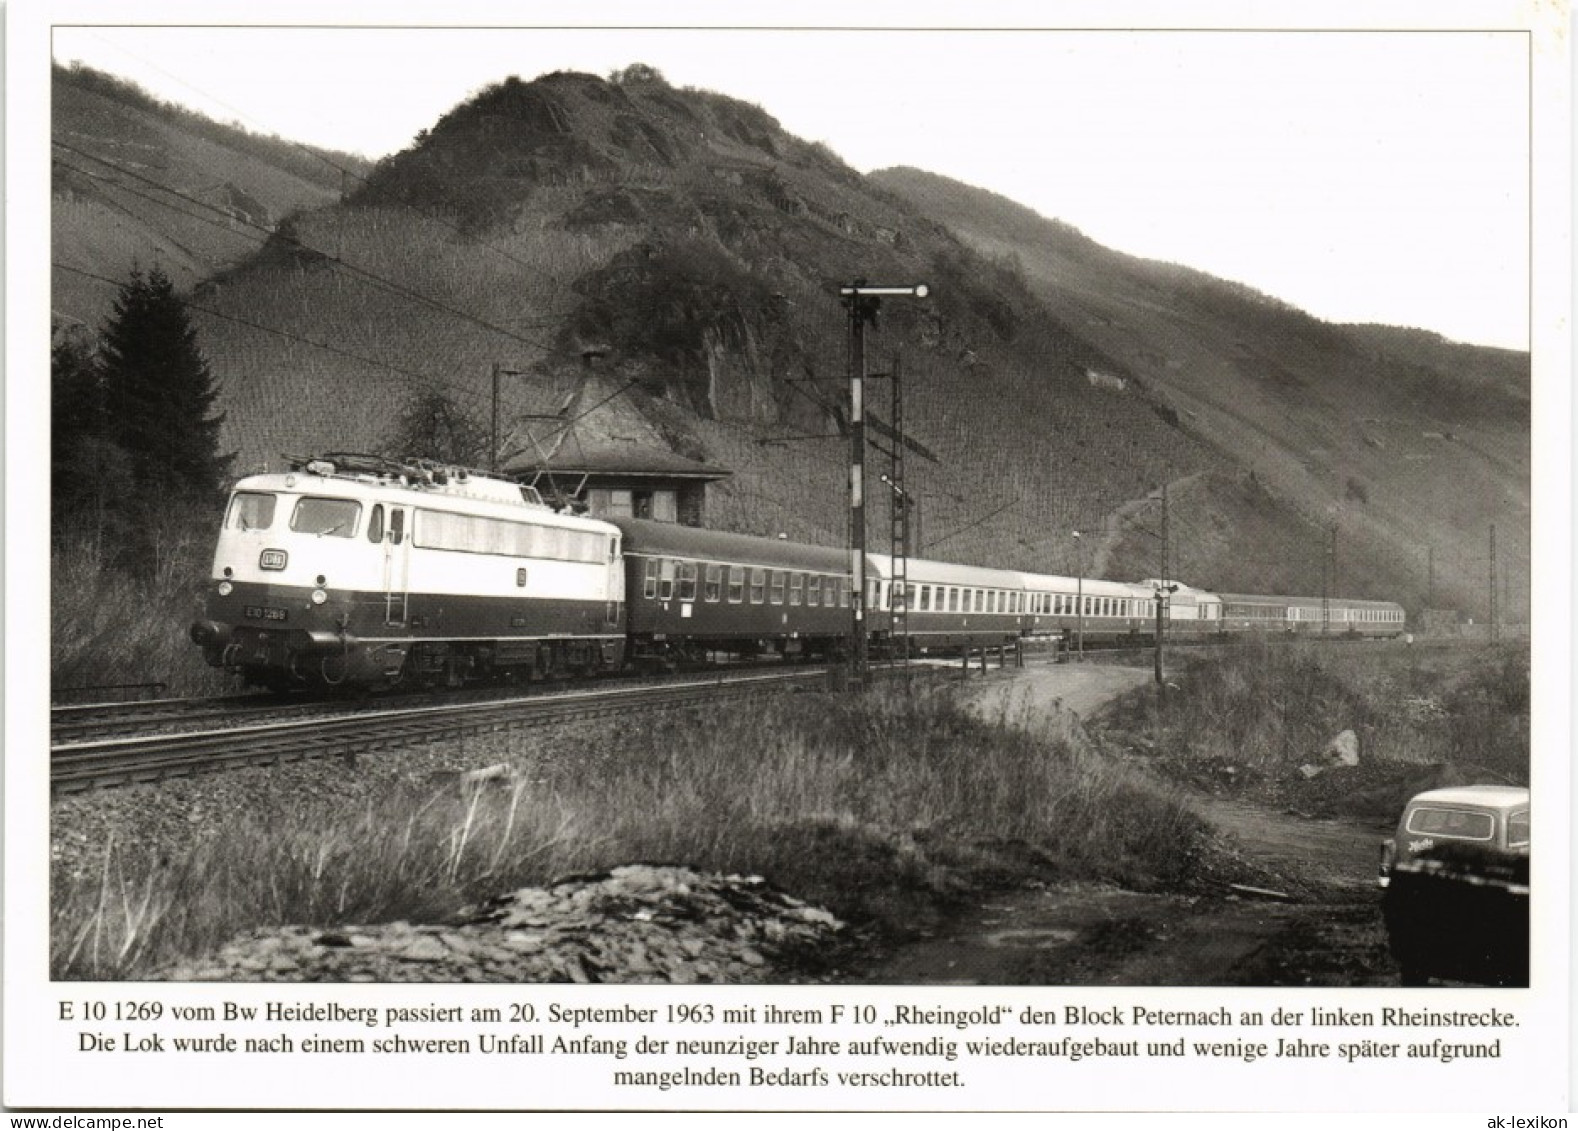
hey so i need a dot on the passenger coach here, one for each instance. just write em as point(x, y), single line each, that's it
point(689, 591)
point(949, 607)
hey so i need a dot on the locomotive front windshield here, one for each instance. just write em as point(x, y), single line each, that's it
point(251, 510)
point(334, 517)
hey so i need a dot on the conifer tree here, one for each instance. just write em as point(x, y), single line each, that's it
point(159, 395)
point(159, 476)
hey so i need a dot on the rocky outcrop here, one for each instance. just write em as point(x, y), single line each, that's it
point(639, 923)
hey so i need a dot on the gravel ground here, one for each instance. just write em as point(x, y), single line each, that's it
point(637, 923)
point(173, 816)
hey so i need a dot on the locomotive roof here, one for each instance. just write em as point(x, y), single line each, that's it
point(645, 537)
point(495, 498)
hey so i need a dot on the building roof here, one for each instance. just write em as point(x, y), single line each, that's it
point(630, 460)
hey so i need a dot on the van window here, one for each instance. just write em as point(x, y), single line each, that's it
point(1451, 824)
point(375, 524)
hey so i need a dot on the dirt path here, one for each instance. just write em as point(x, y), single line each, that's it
point(1095, 935)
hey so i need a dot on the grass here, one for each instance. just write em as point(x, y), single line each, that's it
point(879, 806)
point(110, 627)
point(1249, 719)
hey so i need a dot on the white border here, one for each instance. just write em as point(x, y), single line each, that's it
point(36, 1073)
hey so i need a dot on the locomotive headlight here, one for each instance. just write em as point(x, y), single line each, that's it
point(225, 588)
point(319, 596)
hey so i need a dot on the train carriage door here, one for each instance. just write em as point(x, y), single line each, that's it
point(397, 569)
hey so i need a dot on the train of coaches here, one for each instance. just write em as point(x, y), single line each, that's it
point(357, 571)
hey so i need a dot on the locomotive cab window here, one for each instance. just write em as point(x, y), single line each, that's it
point(251, 510)
point(335, 518)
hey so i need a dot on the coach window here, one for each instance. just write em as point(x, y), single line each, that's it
point(776, 593)
point(843, 593)
point(712, 588)
point(649, 580)
point(758, 586)
point(797, 589)
point(813, 590)
point(665, 589)
point(736, 585)
point(687, 581)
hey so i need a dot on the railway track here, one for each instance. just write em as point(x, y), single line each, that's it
point(82, 764)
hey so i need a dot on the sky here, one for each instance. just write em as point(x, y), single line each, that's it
point(1365, 176)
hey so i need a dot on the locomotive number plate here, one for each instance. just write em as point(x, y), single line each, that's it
point(265, 612)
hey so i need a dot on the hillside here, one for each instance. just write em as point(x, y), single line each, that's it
point(698, 249)
point(137, 182)
point(660, 266)
point(1404, 439)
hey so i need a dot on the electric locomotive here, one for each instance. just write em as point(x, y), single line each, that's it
point(362, 571)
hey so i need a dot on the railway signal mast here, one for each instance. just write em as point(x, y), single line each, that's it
point(862, 300)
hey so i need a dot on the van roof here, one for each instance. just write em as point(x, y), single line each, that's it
point(1494, 796)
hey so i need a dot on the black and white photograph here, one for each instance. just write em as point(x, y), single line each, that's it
point(763, 559)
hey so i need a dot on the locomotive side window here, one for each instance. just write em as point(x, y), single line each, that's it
point(687, 581)
point(333, 517)
point(375, 524)
point(712, 587)
point(736, 584)
point(758, 586)
point(251, 510)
